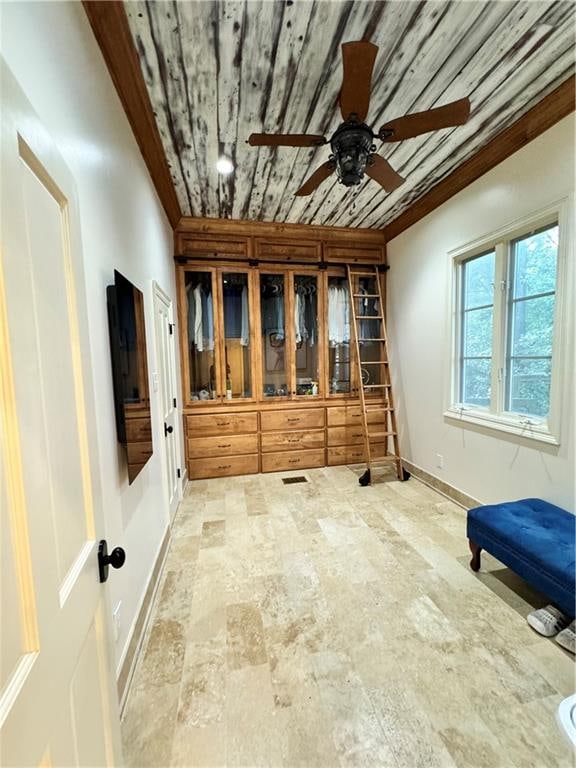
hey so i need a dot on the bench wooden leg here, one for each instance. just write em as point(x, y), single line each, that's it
point(476, 550)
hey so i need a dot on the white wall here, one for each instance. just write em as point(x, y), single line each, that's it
point(488, 466)
point(51, 51)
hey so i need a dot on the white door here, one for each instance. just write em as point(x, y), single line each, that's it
point(58, 703)
point(166, 357)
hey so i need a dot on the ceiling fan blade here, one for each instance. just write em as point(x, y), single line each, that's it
point(357, 62)
point(455, 113)
point(382, 172)
point(314, 181)
point(285, 140)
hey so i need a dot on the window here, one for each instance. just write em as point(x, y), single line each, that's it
point(506, 327)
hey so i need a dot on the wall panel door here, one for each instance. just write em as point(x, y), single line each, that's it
point(166, 357)
point(57, 698)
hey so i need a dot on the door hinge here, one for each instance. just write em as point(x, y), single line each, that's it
point(174, 402)
point(171, 328)
point(179, 473)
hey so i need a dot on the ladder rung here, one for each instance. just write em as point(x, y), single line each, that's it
point(363, 272)
point(374, 362)
point(376, 435)
point(376, 386)
point(369, 317)
point(366, 295)
point(371, 339)
point(377, 408)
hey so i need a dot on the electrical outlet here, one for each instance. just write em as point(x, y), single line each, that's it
point(439, 461)
point(116, 621)
point(155, 382)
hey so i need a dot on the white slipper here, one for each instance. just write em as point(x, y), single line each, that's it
point(547, 621)
point(567, 638)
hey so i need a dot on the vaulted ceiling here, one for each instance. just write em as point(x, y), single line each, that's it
point(218, 71)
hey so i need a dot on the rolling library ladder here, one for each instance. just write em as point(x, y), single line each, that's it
point(365, 320)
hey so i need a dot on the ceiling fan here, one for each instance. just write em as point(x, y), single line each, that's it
point(352, 144)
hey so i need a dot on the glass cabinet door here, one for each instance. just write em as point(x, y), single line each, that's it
point(339, 336)
point(306, 335)
point(273, 330)
point(237, 373)
point(370, 351)
point(200, 336)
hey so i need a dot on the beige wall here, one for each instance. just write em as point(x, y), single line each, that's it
point(489, 466)
point(51, 51)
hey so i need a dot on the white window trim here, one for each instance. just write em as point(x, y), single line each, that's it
point(494, 417)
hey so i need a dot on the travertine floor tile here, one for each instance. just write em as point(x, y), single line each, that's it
point(325, 624)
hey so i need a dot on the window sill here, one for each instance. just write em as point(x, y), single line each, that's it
point(539, 432)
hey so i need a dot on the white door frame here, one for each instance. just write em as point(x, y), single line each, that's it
point(160, 296)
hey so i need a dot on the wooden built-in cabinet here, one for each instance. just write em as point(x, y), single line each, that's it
point(268, 380)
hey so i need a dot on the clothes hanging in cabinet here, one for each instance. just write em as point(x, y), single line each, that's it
point(200, 318)
point(272, 299)
point(368, 329)
point(338, 315)
point(305, 315)
point(245, 330)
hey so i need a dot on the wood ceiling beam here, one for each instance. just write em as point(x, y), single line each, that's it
point(554, 107)
point(110, 26)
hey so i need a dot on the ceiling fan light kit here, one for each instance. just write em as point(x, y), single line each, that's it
point(352, 147)
point(353, 150)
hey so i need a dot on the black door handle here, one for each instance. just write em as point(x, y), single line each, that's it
point(168, 429)
point(115, 559)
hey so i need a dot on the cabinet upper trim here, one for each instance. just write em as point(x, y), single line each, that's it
point(248, 240)
point(269, 230)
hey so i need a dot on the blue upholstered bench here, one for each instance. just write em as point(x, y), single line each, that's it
point(533, 538)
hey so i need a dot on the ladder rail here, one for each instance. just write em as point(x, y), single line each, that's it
point(391, 413)
point(358, 362)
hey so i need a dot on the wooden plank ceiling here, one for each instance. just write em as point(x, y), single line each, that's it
point(217, 71)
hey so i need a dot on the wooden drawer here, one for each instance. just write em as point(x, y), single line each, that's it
point(221, 424)
point(139, 453)
point(350, 416)
point(225, 445)
point(204, 245)
point(269, 250)
point(291, 441)
point(346, 435)
point(354, 254)
point(138, 430)
point(304, 418)
point(224, 466)
point(278, 462)
point(353, 454)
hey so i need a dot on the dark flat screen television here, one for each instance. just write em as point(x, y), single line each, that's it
point(130, 372)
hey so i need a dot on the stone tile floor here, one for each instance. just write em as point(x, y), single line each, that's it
point(325, 624)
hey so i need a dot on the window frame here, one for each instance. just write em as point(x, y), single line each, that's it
point(494, 417)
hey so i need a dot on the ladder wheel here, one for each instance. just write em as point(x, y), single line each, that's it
point(405, 474)
point(365, 478)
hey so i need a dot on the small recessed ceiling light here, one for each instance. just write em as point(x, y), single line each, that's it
point(224, 166)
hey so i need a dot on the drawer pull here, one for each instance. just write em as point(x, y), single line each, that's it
point(222, 423)
point(294, 420)
point(297, 440)
point(224, 466)
point(293, 461)
point(227, 445)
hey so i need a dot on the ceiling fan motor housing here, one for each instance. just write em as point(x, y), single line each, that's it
point(352, 147)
